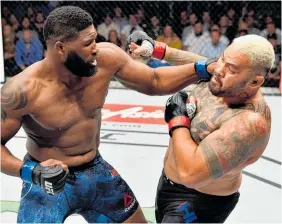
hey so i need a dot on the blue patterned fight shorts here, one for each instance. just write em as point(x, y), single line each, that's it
point(94, 190)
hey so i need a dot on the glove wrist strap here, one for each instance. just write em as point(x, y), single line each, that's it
point(159, 50)
point(201, 69)
point(177, 122)
point(26, 171)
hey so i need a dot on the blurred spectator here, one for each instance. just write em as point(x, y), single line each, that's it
point(30, 14)
point(223, 38)
point(26, 26)
point(251, 24)
point(140, 18)
point(28, 50)
point(206, 21)
point(131, 27)
point(224, 23)
point(271, 29)
point(113, 38)
point(189, 29)
point(119, 18)
point(8, 37)
point(170, 38)
point(5, 12)
point(154, 29)
point(197, 39)
point(184, 19)
point(231, 14)
point(242, 29)
point(214, 47)
point(226, 29)
point(268, 19)
point(14, 23)
point(150, 16)
point(274, 75)
point(108, 24)
point(184, 22)
point(251, 13)
point(39, 23)
point(272, 38)
point(53, 4)
point(10, 65)
point(3, 21)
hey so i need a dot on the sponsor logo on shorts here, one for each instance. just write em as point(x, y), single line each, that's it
point(133, 114)
point(129, 202)
point(188, 216)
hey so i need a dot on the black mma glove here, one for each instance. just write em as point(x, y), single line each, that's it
point(50, 178)
point(178, 112)
point(154, 48)
point(201, 68)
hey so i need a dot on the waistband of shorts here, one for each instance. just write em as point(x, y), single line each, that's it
point(193, 191)
point(97, 159)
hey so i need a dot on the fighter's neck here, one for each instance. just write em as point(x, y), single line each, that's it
point(238, 100)
point(60, 73)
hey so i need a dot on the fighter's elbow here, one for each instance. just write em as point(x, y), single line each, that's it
point(158, 86)
point(155, 84)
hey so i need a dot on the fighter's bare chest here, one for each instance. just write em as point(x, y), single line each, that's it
point(209, 116)
point(58, 111)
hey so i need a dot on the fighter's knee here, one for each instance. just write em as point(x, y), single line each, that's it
point(137, 217)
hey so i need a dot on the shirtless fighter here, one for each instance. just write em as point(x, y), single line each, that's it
point(58, 103)
point(229, 131)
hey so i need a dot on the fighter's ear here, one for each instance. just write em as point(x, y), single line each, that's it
point(60, 47)
point(258, 80)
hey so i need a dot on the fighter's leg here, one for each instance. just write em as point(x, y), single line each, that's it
point(114, 201)
point(137, 217)
point(38, 207)
point(91, 215)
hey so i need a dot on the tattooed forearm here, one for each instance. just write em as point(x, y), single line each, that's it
point(12, 98)
point(178, 57)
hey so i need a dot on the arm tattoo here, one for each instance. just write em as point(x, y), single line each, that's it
point(225, 152)
point(178, 57)
point(262, 108)
point(12, 98)
point(212, 160)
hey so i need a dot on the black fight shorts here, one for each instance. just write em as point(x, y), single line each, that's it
point(176, 203)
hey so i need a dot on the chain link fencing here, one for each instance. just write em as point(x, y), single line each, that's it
point(202, 27)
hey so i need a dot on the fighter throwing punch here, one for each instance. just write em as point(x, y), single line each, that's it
point(58, 103)
point(225, 129)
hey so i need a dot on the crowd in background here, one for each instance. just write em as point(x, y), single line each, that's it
point(205, 28)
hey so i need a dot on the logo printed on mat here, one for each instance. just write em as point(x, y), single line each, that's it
point(133, 114)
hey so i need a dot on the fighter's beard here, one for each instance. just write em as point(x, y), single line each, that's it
point(77, 66)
